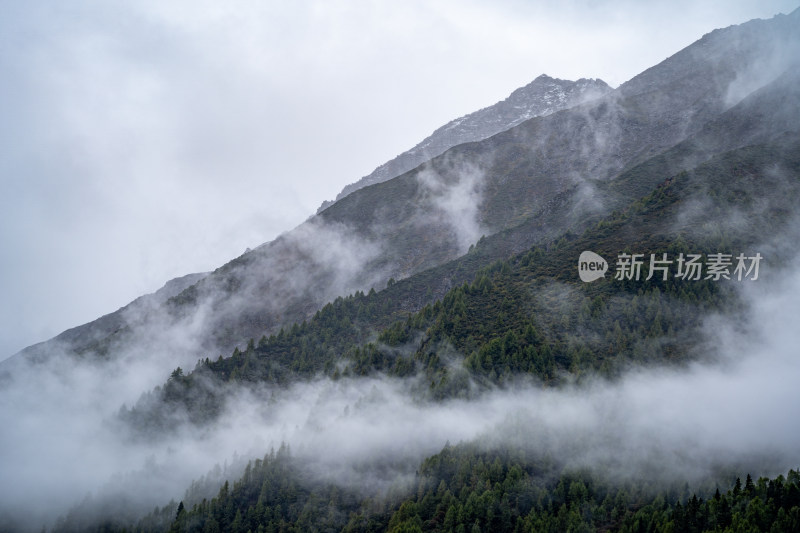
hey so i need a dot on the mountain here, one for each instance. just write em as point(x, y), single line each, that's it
point(528, 315)
point(543, 96)
point(400, 330)
point(525, 316)
point(635, 198)
point(443, 305)
point(623, 193)
point(537, 180)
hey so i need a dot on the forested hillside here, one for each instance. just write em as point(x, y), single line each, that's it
point(465, 489)
point(528, 315)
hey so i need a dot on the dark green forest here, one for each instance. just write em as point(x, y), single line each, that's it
point(466, 489)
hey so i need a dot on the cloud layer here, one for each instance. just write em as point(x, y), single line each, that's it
point(59, 444)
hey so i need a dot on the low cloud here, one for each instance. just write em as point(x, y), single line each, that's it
point(674, 424)
point(455, 202)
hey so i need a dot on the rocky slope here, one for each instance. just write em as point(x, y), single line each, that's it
point(543, 96)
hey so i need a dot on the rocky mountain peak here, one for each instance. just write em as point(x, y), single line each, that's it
point(543, 96)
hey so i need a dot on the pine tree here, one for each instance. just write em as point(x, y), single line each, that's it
point(749, 487)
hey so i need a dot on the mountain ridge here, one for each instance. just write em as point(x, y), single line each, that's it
point(541, 97)
point(431, 214)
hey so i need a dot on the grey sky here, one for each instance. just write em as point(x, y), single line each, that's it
point(144, 141)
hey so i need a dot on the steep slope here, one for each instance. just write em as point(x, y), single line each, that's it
point(528, 316)
point(542, 177)
point(531, 314)
point(542, 97)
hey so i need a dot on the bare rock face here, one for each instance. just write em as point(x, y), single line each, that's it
point(541, 97)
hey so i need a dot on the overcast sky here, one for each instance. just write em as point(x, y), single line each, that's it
point(140, 141)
